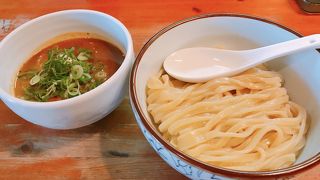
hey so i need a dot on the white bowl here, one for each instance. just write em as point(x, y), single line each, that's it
point(300, 71)
point(78, 111)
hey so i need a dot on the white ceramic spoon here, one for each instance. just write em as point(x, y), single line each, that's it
point(201, 64)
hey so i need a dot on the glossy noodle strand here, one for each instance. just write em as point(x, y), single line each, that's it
point(245, 122)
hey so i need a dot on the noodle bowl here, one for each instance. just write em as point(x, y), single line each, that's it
point(245, 122)
point(185, 139)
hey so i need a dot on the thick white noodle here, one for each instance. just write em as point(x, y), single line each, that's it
point(245, 122)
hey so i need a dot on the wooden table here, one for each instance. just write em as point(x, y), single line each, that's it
point(114, 147)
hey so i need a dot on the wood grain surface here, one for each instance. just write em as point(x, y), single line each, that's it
point(114, 147)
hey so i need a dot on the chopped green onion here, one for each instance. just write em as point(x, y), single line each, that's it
point(100, 75)
point(73, 90)
point(82, 56)
point(50, 90)
point(85, 78)
point(65, 74)
point(27, 74)
point(76, 71)
point(87, 75)
point(34, 80)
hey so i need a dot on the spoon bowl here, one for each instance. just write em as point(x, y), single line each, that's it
point(200, 64)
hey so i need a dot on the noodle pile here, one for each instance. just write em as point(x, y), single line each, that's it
point(245, 122)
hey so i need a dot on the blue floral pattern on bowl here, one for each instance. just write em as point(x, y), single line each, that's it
point(178, 164)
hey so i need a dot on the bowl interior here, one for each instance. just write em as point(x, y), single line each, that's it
point(300, 71)
point(18, 46)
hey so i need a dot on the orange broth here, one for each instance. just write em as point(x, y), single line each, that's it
point(102, 52)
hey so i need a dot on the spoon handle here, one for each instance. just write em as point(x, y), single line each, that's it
point(261, 55)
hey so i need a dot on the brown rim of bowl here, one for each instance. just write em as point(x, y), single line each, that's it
point(198, 164)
